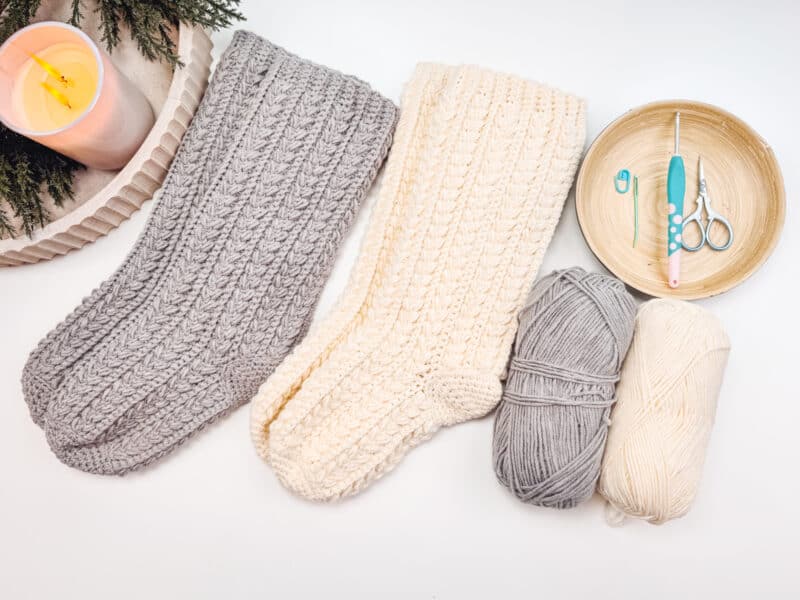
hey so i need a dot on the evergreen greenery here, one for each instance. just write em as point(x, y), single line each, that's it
point(27, 168)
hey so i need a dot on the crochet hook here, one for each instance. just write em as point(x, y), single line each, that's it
point(676, 190)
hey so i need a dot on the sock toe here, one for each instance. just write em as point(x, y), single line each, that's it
point(329, 449)
point(154, 427)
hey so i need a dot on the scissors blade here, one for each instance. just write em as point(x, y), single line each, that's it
point(701, 175)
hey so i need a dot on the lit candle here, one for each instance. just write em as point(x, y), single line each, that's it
point(59, 89)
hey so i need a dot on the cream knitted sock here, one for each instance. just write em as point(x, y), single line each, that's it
point(474, 187)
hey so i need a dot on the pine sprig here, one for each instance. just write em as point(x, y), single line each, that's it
point(16, 14)
point(77, 14)
point(151, 23)
point(27, 168)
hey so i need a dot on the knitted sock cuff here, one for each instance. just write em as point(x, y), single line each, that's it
point(524, 149)
point(546, 128)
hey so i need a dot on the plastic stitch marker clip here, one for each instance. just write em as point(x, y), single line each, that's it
point(622, 177)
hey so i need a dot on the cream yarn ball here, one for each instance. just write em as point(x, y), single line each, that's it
point(666, 403)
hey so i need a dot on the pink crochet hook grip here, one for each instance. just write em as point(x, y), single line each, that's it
point(674, 269)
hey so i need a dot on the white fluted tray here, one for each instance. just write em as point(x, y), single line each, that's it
point(104, 199)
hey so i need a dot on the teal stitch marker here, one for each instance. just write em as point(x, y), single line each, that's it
point(622, 181)
point(676, 190)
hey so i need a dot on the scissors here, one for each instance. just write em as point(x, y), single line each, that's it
point(704, 202)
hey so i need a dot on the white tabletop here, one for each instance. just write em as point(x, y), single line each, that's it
point(212, 521)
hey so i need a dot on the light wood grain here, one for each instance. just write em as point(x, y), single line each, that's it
point(744, 183)
point(105, 199)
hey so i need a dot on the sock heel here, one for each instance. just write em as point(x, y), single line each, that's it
point(459, 396)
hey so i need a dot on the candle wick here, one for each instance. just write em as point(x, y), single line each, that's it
point(56, 94)
point(51, 70)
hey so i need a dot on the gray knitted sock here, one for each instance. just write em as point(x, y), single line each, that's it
point(153, 258)
point(245, 275)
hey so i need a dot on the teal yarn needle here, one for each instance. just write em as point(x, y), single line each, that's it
point(635, 210)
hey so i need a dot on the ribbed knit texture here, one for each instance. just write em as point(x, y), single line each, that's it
point(267, 181)
point(479, 172)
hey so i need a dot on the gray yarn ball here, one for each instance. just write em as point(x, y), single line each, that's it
point(551, 426)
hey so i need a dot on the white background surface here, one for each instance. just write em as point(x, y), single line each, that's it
point(211, 520)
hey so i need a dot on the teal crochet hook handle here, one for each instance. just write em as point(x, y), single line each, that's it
point(676, 190)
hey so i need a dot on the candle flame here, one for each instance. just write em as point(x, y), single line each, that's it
point(51, 70)
point(56, 94)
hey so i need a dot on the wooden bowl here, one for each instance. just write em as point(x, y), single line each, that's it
point(103, 199)
point(744, 184)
